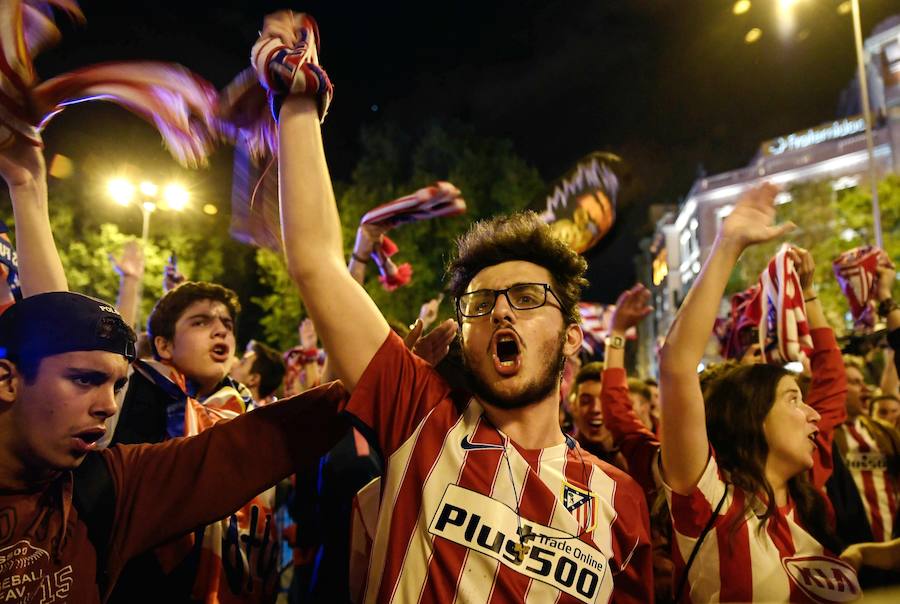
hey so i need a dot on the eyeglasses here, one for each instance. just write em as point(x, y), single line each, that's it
point(522, 296)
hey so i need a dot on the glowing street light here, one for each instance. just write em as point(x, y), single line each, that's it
point(740, 7)
point(785, 24)
point(176, 197)
point(148, 189)
point(121, 191)
point(753, 35)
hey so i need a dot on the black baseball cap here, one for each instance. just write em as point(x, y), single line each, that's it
point(58, 322)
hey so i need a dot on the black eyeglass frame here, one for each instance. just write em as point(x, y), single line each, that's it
point(505, 292)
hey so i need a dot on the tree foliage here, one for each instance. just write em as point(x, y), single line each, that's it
point(829, 222)
point(492, 178)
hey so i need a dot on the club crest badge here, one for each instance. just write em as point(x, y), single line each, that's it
point(582, 505)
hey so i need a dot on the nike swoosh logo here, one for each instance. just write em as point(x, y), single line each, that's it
point(470, 446)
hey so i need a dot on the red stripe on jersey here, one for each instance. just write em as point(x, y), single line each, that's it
point(536, 503)
point(780, 533)
point(406, 507)
point(870, 492)
point(735, 564)
point(448, 558)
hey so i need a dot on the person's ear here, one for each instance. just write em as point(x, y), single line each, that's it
point(9, 382)
point(163, 348)
point(574, 337)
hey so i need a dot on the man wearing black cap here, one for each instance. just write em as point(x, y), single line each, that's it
point(70, 515)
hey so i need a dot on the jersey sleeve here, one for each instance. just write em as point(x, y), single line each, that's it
point(639, 445)
point(827, 393)
point(165, 490)
point(633, 583)
point(690, 513)
point(395, 393)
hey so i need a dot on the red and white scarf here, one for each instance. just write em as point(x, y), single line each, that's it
point(439, 199)
point(856, 272)
point(250, 104)
point(775, 306)
point(783, 322)
point(179, 103)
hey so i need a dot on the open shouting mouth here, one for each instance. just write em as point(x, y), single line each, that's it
point(506, 352)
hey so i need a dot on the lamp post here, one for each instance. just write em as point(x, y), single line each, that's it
point(867, 114)
point(174, 197)
point(785, 8)
point(123, 192)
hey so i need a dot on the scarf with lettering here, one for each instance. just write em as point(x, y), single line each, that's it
point(856, 272)
point(180, 104)
point(238, 559)
point(439, 199)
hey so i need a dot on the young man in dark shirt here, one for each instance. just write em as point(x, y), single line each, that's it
point(72, 515)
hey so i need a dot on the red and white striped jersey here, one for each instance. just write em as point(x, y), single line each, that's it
point(457, 493)
point(868, 465)
point(778, 562)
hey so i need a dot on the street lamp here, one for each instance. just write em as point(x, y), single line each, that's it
point(867, 114)
point(785, 13)
point(122, 191)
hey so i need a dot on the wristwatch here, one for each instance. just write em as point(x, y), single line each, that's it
point(887, 306)
point(617, 342)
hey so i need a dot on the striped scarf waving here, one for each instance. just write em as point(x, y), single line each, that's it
point(856, 271)
point(783, 328)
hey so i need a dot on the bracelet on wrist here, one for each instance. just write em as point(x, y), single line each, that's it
point(359, 259)
point(811, 298)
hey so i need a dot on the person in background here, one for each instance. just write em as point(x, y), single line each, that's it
point(261, 370)
point(587, 416)
point(744, 461)
point(886, 408)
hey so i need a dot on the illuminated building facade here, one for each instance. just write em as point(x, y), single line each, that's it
point(834, 151)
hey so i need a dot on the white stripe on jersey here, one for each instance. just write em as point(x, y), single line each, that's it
point(446, 470)
point(871, 465)
point(715, 571)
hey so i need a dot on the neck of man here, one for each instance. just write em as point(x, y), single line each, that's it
point(15, 475)
point(205, 389)
point(535, 426)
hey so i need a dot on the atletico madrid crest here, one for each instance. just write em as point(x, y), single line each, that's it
point(582, 505)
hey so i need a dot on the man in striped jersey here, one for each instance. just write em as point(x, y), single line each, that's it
point(871, 451)
point(484, 499)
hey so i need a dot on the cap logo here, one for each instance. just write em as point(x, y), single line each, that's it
point(108, 309)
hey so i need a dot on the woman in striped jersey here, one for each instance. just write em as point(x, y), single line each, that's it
point(742, 469)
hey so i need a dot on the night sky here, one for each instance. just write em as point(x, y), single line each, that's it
point(668, 85)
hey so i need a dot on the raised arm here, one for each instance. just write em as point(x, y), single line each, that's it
point(130, 268)
point(828, 388)
point(258, 449)
point(349, 324)
point(40, 269)
point(887, 306)
point(685, 447)
point(638, 444)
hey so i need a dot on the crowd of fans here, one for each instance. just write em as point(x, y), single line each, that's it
point(487, 457)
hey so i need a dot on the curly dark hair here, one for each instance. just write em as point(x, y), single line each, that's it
point(172, 305)
point(520, 236)
point(738, 399)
